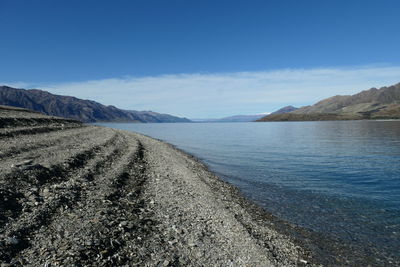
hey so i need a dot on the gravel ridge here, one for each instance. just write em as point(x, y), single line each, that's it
point(78, 195)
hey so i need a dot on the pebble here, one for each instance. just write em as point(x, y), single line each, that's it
point(25, 162)
point(46, 192)
point(123, 224)
point(12, 241)
point(33, 189)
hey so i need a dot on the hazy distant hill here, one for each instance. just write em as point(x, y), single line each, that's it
point(75, 108)
point(236, 118)
point(383, 103)
point(241, 118)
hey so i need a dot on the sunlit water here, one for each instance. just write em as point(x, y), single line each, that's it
point(338, 178)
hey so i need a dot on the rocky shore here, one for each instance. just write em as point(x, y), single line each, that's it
point(78, 195)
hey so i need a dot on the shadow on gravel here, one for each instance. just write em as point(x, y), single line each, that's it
point(10, 206)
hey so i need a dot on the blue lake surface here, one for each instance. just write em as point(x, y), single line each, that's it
point(340, 178)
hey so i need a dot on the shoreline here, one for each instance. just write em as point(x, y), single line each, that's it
point(315, 248)
point(320, 247)
point(74, 194)
point(224, 198)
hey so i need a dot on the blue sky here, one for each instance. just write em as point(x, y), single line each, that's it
point(200, 58)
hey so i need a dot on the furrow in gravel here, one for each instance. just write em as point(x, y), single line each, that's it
point(23, 122)
point(101, 218)
point(48, 205)
point(6, 132)
point(33, 177)
point(14, 146)
point(49, 161)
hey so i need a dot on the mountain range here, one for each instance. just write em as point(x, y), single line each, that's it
point(235, 118)
point(75, 108)
point(247, 118)
point(383, 103)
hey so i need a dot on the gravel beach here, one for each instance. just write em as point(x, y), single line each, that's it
point(78, 195)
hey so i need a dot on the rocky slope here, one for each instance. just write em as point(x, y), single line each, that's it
point(75, 108)
point(383, 103)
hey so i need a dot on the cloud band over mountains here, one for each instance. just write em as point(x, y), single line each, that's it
point(205, 95)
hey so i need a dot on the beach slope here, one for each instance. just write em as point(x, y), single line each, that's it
point(72, 194)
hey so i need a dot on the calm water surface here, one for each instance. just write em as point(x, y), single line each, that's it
point(338, 178)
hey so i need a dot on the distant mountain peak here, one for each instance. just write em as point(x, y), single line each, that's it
point(286, 109)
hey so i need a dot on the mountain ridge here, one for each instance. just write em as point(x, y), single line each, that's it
point(76, 108)
point(382, 103)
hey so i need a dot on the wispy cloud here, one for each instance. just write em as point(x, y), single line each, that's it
point(222, 94)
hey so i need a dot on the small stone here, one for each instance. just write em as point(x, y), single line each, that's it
point(123, 224)
point(12, 241)
point(165, 263)
point(303, 261)
point(46, 192)
point(25, 162)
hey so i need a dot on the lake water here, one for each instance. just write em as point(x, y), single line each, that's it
point(339, 178)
